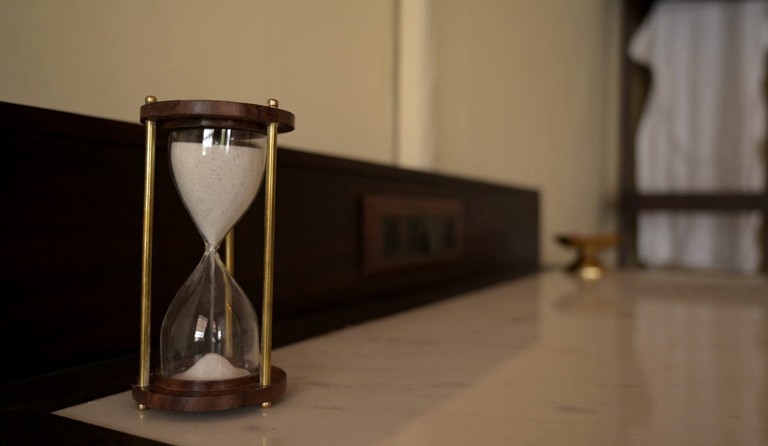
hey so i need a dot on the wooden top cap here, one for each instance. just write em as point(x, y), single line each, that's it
point(220, 114)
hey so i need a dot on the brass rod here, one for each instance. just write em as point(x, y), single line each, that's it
point(269, 240)
point(146, 257)
point(229, 259)
point(229, 254)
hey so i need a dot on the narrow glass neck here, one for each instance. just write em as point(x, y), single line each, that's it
point(210, 248)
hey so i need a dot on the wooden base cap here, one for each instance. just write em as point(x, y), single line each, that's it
point(205, 396)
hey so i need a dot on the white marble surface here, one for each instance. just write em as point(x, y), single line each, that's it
point(640, 358)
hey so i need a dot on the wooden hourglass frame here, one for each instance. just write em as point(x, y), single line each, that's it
point(258, 382)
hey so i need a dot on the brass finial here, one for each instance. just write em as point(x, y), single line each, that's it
point(150, 100)
point(273, 103)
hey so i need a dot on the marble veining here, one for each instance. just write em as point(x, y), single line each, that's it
point(638, 358)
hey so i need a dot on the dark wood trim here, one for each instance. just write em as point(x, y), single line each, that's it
point(40, 122)
point(633, 77)
point(713, 202)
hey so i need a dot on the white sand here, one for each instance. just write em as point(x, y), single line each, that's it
point(212, 367)
point(217, 183)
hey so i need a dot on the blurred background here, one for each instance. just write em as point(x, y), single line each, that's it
point(522, 93)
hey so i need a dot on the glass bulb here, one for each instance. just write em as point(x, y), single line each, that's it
point(210, 331)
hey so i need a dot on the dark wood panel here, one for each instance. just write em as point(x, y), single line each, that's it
point(72, 278)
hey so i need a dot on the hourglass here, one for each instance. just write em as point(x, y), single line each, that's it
point(210, 355)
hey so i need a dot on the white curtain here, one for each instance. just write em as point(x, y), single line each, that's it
point(703, 128)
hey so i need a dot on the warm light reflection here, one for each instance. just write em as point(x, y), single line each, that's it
point(591, 272)
point(202, 324)
point(701, 356)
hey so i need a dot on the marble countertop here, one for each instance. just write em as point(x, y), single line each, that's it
point(637, 358)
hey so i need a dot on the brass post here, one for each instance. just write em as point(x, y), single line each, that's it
point(229, 259)
point(146, 257)
point(229, 255)
point(269, 239)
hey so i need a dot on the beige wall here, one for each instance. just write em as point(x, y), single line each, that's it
point(524, 91)
point(328, 61)
point(526, 94)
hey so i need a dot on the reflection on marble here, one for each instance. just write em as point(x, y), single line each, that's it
point(638, 358)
